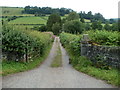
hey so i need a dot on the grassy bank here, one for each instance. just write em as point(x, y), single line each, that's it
point(15, 67)
point(72, 44)
point(84, 65)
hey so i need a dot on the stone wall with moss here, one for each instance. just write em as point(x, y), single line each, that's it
point(101, 55)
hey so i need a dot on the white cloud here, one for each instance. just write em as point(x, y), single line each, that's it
point(109, 8)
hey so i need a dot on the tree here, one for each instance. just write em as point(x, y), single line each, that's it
point(45, 10)
point(27, 9)
point(111, 21)
point(107, 26)
point(56, 28)
point(99, 17)
point(87, 26)
point(115, 27)
point(118, 24)
point(43, 28)
point(96, 25)
point(82, 20)
point(89, 15)
point(99, 25)
point(52, 19)
point(74, 27)
point(73, 16)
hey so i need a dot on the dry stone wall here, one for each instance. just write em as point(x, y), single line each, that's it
point(109, 55)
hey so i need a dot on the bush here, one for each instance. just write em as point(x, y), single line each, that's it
point(18, 43)
point(56, 28)
point(104, 37)
point(71, 41)
point(43, 28)
point(73, 27)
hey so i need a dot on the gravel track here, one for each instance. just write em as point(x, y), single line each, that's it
point(47, 77)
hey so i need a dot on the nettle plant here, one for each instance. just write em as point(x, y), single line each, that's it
point(71, 41)
point(103, 37)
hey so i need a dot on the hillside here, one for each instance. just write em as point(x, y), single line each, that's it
point(13, 11)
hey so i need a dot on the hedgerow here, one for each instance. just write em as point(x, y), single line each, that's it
point(71, 41)
point(72, 44)
point(103, 37)
point(21, 43)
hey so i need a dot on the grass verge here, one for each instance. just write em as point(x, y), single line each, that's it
point(15, 67)
point(82, 64)
point(57, 62)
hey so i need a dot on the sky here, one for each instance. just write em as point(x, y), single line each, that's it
point(108, 8)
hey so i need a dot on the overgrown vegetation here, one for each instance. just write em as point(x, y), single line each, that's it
point(9, 67)
point(72, 44)
point(104, 37)
point(84, 65)
point(19, 43)
point(54, 19)
point(71, 41)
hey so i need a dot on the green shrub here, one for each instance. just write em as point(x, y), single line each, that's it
point(74, 27)
point(21, 42)
point(71, 41)
point(104, 37)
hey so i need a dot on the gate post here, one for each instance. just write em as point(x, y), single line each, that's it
point(84, 44)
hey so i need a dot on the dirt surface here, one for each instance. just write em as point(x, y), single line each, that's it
point(47, 77)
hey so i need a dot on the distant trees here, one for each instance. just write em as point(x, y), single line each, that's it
point(45, 10)
point(54, 19)
point(73, 16)
point(90, 16)
point(43, 28)
point(13, 18)
point(115, 27)
point(107, 26)
point(111, 21)
point(82, 20)
point(86, 15)
point(56, 28)
point(87, 26)
point(118, 24)
point(96, 25)
point(72, 23)
point(75, 23)
point(73, 26)
point(99, 17)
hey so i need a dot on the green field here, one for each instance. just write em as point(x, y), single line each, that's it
point(87, 21)
point(13, 11)
point(29, 20)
